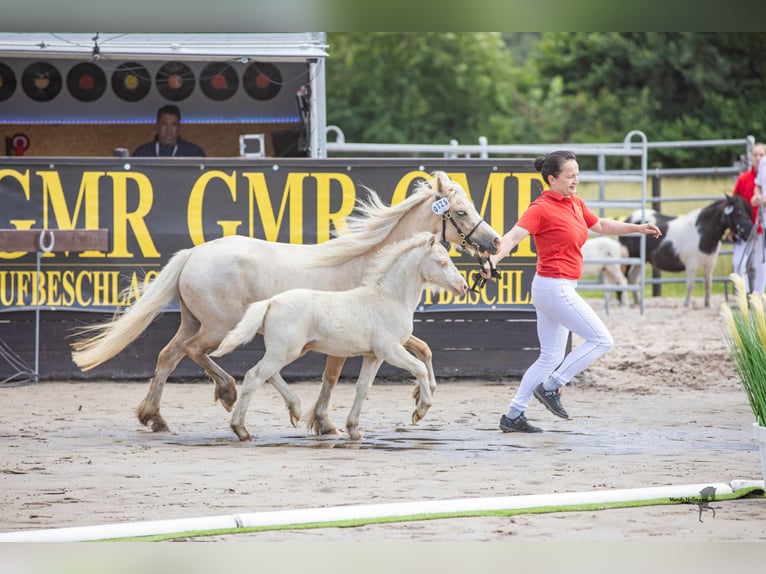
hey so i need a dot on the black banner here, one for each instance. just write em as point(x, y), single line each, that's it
point(154, 207)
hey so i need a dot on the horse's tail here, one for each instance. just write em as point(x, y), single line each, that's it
point(246, 329)
point(105, 340)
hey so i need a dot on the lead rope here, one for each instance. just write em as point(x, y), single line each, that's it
point(480, 281)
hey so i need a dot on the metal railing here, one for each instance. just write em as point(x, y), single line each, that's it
point(602, 175)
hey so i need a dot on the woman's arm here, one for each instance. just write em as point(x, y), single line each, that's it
point(507, 244)
point(614, 227)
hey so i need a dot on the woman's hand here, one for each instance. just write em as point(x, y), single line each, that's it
point(487, 268)
point(650, 229)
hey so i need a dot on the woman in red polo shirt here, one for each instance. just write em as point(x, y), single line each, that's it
point(558, 221)
point(742, 256)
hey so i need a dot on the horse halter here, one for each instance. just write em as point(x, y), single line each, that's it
point(441, 207)
point(734, 224)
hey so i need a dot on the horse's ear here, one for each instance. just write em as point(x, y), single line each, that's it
point(441, 182)
point(432, 240)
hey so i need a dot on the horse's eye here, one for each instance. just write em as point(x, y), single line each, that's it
point(460, 213)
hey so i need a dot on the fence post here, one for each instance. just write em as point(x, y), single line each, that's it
point(656, 193)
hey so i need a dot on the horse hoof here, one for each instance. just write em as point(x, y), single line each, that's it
point(242, 434)
point(294, 419)
point(159, 425)
point(417, 417)
point(354, 435)
point(227, 397)
point(329, 431)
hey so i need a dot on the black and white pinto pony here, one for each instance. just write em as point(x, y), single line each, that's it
point(691, 241)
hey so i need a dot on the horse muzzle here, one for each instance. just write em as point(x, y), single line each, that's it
point(484, 247)
point(743, 231)
point(459, 288)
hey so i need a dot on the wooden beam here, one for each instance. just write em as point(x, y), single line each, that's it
point(56, 240)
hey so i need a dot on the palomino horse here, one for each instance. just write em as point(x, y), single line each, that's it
point(217, 280)
point(373, 320)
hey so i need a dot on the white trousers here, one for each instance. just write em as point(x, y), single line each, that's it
point(744, 257)
point(560, 309)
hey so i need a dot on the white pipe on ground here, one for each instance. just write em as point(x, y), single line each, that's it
point(328, 515)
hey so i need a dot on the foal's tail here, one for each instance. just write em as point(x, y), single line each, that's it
point(246, 329)
point(106, 339)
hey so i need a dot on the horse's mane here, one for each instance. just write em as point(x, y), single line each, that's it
point(711, 210)
point(390, 253)
point(370, 225)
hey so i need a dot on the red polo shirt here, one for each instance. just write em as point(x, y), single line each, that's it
point(559, 226)
point(745, 187)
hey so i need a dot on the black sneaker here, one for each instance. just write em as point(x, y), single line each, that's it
point(519, 424)
point(551, 400)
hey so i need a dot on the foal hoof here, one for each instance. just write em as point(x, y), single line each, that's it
point(241, 433)
point(418, 416)
point(354, 435)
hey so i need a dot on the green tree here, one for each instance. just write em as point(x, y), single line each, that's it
point(551, 87)
point(420, 87)
point(672, 86)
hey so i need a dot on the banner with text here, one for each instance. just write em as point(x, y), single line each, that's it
point(153, 208)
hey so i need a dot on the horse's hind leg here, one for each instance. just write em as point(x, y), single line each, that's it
point(423, 352)
point(148, 411)
point(196, 348)
point(292, 400)
point(267, 368)
point(370, 366)
point(319, 421)
point(225, 385)
point(399, 357)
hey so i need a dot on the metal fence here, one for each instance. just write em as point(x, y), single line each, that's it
point(635, 144)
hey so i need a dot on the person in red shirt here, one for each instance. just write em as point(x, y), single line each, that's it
point(749, 255)
point(558, 221)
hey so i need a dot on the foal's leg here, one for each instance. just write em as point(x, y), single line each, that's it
point(423, 352)
point(399, 357)
point(370, 366)
point(148, 411)
point(292, 400)
point(265, 369)
point(319, 421)
point(253, 379)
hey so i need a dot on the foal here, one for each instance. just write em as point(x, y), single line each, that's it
point(374, 320)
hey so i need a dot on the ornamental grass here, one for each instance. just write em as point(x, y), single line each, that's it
point(745, 333)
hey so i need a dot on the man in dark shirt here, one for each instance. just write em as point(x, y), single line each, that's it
point(168, 142)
